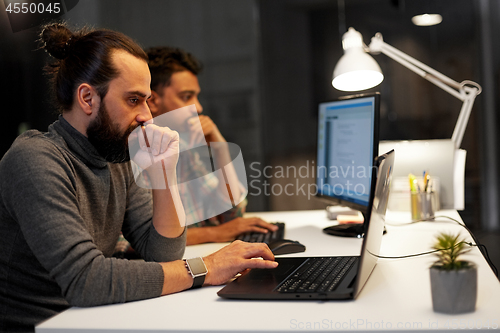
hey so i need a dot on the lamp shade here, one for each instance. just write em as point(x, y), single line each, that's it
point(356, 70)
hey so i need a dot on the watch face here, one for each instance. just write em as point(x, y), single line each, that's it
point(197, 266)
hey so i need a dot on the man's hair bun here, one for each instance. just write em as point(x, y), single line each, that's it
point(56, 39)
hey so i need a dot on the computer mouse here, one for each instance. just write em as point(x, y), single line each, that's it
point(286, 246)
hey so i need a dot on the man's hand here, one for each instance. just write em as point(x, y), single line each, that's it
point(163, 145)
point(228, 231)
point(209, 130)
point(238, 256)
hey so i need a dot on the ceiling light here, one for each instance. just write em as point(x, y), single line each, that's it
point(425, 20)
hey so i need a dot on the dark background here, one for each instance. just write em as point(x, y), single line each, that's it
point(269, 63)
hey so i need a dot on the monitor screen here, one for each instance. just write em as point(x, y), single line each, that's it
point(347, 146)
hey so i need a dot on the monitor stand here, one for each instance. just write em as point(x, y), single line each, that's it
point(346, 230)
point(356, 230)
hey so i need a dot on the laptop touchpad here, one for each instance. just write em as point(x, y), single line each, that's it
point(266, 279)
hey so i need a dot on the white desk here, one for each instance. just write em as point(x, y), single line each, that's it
point(396, 297)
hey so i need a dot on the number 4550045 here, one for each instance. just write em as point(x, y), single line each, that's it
point(16, 8)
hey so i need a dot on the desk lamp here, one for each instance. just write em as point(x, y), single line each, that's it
point(357, 70)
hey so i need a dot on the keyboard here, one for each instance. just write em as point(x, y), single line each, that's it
point(257, 237)
point(317, 275)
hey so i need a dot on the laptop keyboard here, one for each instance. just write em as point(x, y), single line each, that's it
point(317, 275)
point(258, 237)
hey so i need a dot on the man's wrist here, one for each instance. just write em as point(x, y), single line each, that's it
point(215, 136)
point(213, 234)
point(200, 235)
point(160, 178)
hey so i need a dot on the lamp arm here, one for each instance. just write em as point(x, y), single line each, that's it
point(461, 91)
point(463, 118)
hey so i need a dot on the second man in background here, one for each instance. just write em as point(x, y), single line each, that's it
point(174, 84)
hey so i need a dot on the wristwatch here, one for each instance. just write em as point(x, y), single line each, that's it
point(196, 267)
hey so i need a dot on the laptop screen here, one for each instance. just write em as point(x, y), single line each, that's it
point(374, 225)
point(347, 146)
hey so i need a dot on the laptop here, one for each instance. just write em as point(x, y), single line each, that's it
point(324, 278)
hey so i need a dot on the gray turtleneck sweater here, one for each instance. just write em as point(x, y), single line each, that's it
point(62, 207)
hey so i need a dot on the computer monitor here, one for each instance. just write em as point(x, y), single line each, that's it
point(348, 141)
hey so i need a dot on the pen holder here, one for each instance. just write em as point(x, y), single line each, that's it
point(423, 205)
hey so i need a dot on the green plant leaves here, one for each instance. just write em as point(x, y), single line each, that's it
point(449, 248)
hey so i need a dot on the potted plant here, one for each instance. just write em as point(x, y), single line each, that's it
point(453, 281)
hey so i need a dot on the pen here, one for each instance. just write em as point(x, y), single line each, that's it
point(414, 188)
point(143, 128)
point(427, 179)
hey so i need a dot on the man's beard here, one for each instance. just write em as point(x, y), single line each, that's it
point(107, 138)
